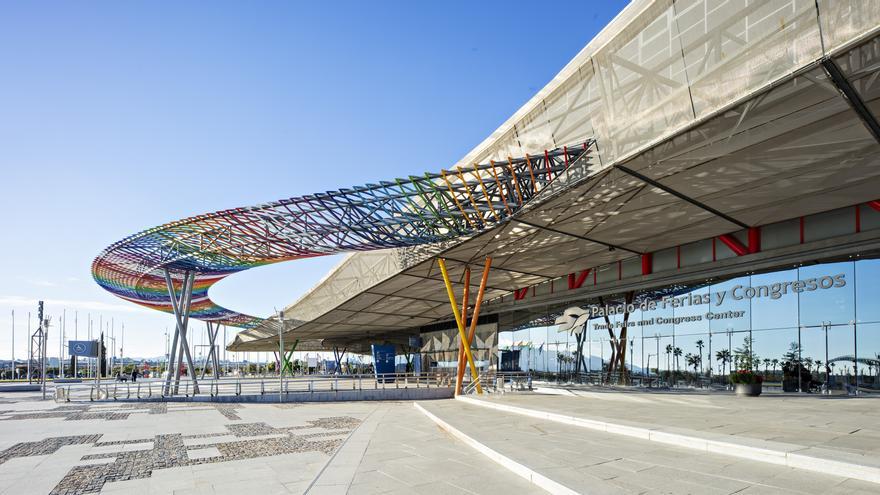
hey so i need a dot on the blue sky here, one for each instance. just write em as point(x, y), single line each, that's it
point(118, 116)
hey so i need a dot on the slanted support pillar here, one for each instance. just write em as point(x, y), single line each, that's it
point(213, 330)
point(734, 244)
point(181, 307)
point(465, 302)
point(287, 365)
point(464, 350)
point(475, 375)
point(338, 357)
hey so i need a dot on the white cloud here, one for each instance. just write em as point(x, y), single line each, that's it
point(98, 306)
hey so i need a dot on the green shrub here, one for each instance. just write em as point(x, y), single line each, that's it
point(746, 377)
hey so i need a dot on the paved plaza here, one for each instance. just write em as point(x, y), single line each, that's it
point(394, 447)
point(134, 448)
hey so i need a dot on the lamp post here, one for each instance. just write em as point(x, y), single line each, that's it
point(710, 356)
point(825, 325)
point(649, 365)
point(280, 354)
point(13, 344)
point(657, 340)
point(631, 345)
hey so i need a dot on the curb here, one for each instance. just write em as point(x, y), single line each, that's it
point(516, 468)
point(786, 455)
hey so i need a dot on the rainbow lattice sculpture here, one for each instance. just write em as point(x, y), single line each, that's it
point(404, 212)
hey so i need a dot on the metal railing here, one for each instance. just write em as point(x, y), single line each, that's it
point(498, 382)
point(154, 389)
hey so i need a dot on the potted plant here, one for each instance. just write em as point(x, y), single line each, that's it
point(747, 382)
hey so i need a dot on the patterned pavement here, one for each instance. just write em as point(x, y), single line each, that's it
point(118, 453)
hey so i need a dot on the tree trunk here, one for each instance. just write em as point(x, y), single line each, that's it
point(613, 340)
point(621, 342)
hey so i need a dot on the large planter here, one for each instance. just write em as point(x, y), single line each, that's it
point(748, 389)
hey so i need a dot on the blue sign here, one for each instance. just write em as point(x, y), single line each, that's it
point(383, 360)
point(84, 348)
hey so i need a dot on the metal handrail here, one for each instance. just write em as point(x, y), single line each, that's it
point(237, 386)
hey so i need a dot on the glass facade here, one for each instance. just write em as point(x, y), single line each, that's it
point(810, 328)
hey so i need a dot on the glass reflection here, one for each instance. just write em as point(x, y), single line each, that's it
point(814, 329)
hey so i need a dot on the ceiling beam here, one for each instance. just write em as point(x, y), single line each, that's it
point(576, 236)
point(681, 196)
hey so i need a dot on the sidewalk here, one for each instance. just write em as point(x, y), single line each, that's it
point(588, 461)
point(850, 425)
point(399, 451)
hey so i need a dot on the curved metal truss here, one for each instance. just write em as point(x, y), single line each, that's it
point(147, 268)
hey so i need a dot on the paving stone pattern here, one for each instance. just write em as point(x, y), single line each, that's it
point(169, 451)
point(45, 446)
point(82, 412)
point(324, 435)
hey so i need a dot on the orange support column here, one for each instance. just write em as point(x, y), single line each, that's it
point(473, 329)
point(459, 371)
point(475, 375)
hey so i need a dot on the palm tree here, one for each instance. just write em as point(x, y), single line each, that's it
point(724, 356)
point(766, 365)
point(700, 345)
point(693, 361)
point(818, 364)
point(775, 363)
point(677, 353)
point(668, 352)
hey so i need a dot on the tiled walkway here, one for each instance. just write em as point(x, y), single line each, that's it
point(230, 448)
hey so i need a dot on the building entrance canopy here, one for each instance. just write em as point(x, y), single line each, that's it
point(701, 121)
point(708, 120)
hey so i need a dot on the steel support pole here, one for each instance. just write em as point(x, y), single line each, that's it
point(172, 360)
point(173, 351)
point(184, 317)
point(280, 356)
point(208, 355)
point(215, 351)
point(213, 330)
point(181, 308)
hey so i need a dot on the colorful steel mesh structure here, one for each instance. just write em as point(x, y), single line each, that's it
point(399, 213)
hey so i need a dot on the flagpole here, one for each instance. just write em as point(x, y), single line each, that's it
point(75, 337)
point(13, 344)
point(61, 344)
